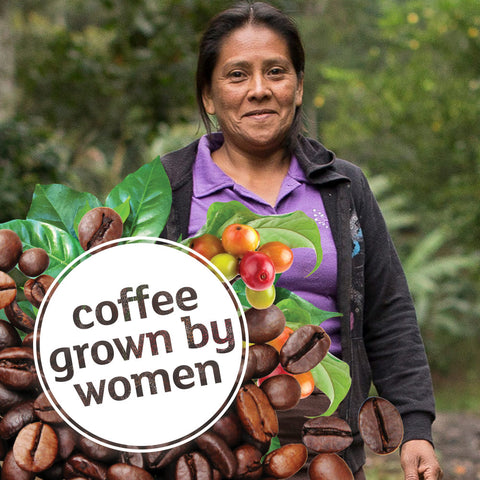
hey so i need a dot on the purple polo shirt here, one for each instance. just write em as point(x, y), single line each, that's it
point(211, 184)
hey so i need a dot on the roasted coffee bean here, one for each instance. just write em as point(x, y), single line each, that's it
point(267, 359)
point(193, 466)
point(95, 451)
point(135, 459)
point(251, 367)
point(122, 471)
point(264, 325)
point(10, 398)
point(55, 472)
point(304, 349)
point(98, 226)
point(28, 340)
point(79, 466)
point(218, 452)
point(264, 447)
point(18, 318)
point(35, 289)
point(8, 289)
point(33, 262)
point(164, 458)
point(286, 461)
point(67, 440)
point(380, 425)
point(4, 447)
point(329, 466)
point(256, 414)
point(45, 411)
point(249, 462)
point(9, 336)
point(16, 418)
point(35, 447)
point(327, 434)
point(229, 428)
point(17, 368)
point(11, 470)
point(283, 391)
point(10, 249)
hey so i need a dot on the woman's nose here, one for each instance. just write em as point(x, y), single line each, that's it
point(259, 87)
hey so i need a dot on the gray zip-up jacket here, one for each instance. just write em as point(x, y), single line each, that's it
point(380, 335)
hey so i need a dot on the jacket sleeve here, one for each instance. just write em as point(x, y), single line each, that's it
point(395, 349)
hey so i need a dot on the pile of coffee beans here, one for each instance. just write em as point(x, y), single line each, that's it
point(35, 443)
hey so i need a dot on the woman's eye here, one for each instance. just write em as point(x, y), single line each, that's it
point(236, 75)
point(276, 71)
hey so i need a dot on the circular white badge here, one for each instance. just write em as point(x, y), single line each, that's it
point(139, 346)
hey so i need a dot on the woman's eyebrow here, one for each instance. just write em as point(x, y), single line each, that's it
point(246, 63)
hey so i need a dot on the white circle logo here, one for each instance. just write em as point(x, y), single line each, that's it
point(140, 346)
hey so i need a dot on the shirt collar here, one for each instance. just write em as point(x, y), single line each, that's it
point(209, 178)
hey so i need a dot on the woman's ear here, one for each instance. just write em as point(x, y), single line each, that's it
point(299, 92)
point(208, 102)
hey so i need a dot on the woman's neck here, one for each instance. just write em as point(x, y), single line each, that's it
point(262, 174)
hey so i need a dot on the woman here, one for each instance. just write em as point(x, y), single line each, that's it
point(250, 77)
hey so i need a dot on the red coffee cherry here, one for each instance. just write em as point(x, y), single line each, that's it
point(257, 271)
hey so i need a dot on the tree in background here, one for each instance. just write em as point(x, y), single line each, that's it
point(104, 76)
point(410, 106)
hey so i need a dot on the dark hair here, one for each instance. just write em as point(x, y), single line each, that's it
point(223, 24)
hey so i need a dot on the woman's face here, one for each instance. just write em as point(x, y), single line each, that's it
point(254, 89)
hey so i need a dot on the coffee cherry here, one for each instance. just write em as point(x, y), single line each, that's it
point(260, 299)
point(207, 245)
point(257, 270)
point(33, 262)
point(280, 254)
point(10, 249)
point(278, 342)
point(237, 239)
point(227, 264)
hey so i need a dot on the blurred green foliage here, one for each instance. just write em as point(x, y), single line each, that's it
point(102, 86)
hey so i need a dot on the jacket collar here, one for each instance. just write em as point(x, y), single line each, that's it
point(318, 163)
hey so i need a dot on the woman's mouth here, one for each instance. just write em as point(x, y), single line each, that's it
point(259, 113)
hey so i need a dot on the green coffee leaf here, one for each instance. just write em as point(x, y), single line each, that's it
point(293, 305)
point(124, 210)
point(294, 229)
point(239, 287)
point(78, 217)
point(220, 215)
point(332, 377)
point(58, 205)
point(150, 200)
point(62, 247)
point(294, 314)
